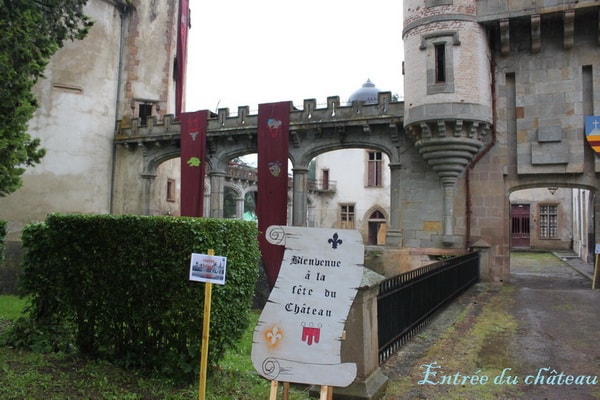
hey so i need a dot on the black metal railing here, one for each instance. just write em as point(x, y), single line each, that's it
point(406, 302)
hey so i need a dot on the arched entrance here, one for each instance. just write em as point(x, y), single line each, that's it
point(553, 218)
point(377, 228)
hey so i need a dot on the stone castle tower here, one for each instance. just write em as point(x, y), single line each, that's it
point(448, 99)
point(496, 98)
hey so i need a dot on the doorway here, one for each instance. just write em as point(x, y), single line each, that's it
point(520, 226)
point(377, 229)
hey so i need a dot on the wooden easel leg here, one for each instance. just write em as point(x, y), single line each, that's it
point(326, 393)
point(286, 390)
point(273, 394)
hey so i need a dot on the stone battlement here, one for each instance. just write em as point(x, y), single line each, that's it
point(222, 123)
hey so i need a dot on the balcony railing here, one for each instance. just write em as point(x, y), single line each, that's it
point(241, 172)
point(315, 185)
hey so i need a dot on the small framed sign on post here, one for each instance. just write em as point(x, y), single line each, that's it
point(210, 269)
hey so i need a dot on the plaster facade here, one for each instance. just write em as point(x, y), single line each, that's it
point(124, 67)
point(347, 171)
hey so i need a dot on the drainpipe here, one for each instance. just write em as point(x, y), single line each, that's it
point(124, 8)
point(480, 155)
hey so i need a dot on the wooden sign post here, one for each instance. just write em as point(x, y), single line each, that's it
point(205, 340)
point(210, 269)
point(596, 277)
point(299, 332)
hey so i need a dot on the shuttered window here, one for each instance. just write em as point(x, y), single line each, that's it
point(375, 168)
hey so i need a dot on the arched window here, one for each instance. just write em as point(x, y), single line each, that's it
point(230, 203)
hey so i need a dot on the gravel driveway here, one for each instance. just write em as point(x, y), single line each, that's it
point(533, 338)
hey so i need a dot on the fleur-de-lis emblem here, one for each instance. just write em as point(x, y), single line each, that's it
point(274, 335)
point(335, 241)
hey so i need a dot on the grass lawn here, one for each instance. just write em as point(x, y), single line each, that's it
point(28, 375)
point(11, 307)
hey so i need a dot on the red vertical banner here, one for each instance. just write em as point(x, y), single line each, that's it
point(271, 207)
point(193, 156)
point(181, 56)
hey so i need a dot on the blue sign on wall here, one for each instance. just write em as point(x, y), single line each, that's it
point(592, 131)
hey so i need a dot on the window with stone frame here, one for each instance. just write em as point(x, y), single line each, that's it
point(548, 221)
point(347, 216)
point(440, 69)
point(374, 169)
point(440, 62)
point(144, 112)
point(171, 190)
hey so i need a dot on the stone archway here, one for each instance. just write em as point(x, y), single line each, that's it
point(376, 227)
point(561, 214)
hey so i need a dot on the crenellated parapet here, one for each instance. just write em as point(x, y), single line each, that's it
point(223, 125)
point(131, 131)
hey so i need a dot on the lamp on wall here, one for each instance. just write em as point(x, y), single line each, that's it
point(552, 189)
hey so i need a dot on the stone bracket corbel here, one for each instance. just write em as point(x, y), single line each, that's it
point(504, 37)
point(569, 29)
point(536, 41)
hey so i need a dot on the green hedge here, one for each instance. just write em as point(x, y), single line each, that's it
point(119, 285)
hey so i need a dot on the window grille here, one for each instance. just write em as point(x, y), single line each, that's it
point(548, 221)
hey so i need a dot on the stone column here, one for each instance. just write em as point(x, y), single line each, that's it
point(147, 185)
point(217, 196)
point(239, 206)
point(483, 248)
point(448, 184)
point(299, 199)
point(362, 343)
point(206, 210)
point(394, 233)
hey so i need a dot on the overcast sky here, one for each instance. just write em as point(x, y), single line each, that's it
point(243, 52)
